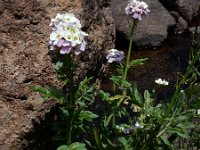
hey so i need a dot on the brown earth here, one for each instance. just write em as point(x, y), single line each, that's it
point(25, 60)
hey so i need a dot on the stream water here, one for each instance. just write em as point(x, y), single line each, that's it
point(163, 62)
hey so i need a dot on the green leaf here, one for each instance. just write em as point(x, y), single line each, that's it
point(104, 95)
point(180, 132)
point(41, 90)
point(180, 99)
point(116, 79)
point(116, 97)
point(189, 113)
point(185, 125)
point(87, 115)
point(73, 146)
point(148, 100)
point(64, 112)
point(125, 143)
point(97, 138)
point(136, 97)
point(136, 62)
point(50, 93)
point(85, 91)
point(166, 141)
point(58, 65)
point(63, 147)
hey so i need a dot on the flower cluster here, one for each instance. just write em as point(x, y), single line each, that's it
point(162, 82)
point(66, 34)
point(137, 9)
point(198, 112)
point(114, 55)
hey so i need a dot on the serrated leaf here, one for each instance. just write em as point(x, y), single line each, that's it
point(166, 141)
point(64, 112)
point(50, 92)
point(73, 146)
point(188, 113)
point(185, 125)
point(180, 132)
point(104, 95)
point(87, 115)
point(136, 62)
point(40, 90)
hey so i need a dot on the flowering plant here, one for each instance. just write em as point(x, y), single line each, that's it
point(127, 119)
point(66, 34)
point(115, 56)
point(137, 9)
point(161, 82)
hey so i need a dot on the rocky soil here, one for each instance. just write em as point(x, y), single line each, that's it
point(25, 60)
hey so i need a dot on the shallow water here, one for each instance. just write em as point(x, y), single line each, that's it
point(163, 62)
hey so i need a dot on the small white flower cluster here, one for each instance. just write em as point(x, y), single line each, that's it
point(137, 9)
point(66, 34)
point(120, 128)
point(114, 55)
point(161, 82)
point(138, 125)
point(198, 111)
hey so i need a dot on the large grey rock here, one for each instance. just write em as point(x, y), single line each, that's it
point(188, 8)
point(151, 31)
point(181, 24)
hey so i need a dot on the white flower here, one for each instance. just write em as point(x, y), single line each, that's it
point(120, 128)
point(161, 82)
point(56, 36)
point(114, 55)
point(198, 112)
point(67, 35)
point(137, 9)
point(137, 125)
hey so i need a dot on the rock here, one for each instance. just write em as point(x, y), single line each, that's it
point(188, 9)
point(181, 24)
point(195, 29)
point(25, 60)
point(151, 31)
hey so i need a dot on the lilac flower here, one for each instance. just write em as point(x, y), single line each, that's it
point(137, 9)
point(66, 34)
point(136, 125)
point(114, 55)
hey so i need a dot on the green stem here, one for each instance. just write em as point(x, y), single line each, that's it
point(129, 51)
point(107, 120)
point(69, 64)
point(178, 87)
point(165, 128)
point(70, 127)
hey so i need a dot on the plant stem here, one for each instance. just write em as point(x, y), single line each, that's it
point(69, 69)
point(70, 127)
point(179, 85)
point(129, 51)
point(165, 128)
